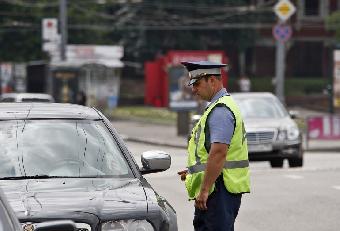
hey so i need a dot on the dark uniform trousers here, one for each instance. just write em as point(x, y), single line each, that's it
point(222, 210)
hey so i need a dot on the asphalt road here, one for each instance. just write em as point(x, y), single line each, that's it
point(304, 199)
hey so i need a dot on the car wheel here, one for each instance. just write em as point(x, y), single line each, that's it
point(295, 162)
point(276, 163)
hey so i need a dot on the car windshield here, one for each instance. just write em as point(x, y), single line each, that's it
point(65, 148)
point(256, 107)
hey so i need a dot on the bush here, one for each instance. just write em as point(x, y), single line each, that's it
point(293, 86)
point(143, 113)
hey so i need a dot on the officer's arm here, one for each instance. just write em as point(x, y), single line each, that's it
point(216, 160)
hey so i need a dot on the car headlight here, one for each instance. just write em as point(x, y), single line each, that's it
point(127, 225)
point(292, 133)
point(282, 135)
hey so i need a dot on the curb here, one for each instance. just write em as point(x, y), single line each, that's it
point(153, 142)
point(335, 150)
point(167, 144)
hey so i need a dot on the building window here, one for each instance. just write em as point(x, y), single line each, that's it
point(312, 8)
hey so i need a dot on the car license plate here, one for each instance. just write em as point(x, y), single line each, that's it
point(260, 147)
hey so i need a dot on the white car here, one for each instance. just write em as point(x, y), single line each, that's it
point(272, 134)
point(26, 97)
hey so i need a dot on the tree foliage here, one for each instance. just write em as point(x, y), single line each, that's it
point(333, 23)
point(145, 28)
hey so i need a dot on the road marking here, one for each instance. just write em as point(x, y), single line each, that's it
point(337, 187)
point(294, 177)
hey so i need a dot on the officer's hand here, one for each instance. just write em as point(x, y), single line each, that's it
point(201, 201)
point(183, 174)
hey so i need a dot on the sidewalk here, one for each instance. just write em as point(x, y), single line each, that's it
point(166, 135)
point(150, 133)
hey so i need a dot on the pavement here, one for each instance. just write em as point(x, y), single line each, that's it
point(166, 135)
point(150, 133)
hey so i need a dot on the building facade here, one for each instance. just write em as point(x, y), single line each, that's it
point(308, 51)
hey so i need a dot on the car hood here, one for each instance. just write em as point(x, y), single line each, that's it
point(252, 124)
point(104, 198)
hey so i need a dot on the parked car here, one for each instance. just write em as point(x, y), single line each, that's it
point(26, 97)
point(272, 134)
point(9, 222)
point(66, 161)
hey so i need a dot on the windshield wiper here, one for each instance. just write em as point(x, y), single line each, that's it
point(30, 177)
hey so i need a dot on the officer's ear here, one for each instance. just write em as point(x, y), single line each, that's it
point(208, 78)
point(212, 78)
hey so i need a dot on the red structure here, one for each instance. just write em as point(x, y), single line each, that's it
point(157, 78)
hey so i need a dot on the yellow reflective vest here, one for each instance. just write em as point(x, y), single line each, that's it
point(236, 167)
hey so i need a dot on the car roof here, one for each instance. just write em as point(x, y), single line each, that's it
point(253, 94)
point(27, 95)
point(46, 111)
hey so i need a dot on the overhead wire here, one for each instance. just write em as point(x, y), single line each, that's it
point(151, 15)
point(31, 4)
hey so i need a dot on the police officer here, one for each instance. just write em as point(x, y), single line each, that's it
point(218, 167)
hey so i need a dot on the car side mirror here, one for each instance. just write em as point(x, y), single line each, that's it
point(62, 225)
point(155, 161)
point(293, 114)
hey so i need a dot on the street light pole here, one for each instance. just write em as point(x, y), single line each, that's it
point(63, 28)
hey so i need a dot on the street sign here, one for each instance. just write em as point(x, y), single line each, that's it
point(282, 32)
point(284, 9)
point(50, 29)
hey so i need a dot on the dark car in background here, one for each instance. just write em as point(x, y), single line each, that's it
point(64, 161)
point(272, 134)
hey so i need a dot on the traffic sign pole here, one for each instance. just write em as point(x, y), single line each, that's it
point(280, 70)
point(284, 9)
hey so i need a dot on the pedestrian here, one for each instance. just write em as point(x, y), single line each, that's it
point(244, 83)
point(218, 167)
point(81, 98)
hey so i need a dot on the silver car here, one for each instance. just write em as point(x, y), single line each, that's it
point(272, 134)
point(26, 97)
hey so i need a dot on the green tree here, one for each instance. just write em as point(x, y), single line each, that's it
point(333, 23)
point(145, 28)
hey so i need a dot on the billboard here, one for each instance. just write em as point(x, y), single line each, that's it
point(323, 127)
point(180, 96)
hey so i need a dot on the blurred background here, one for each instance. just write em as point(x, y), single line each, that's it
point(127, 52)
point(123, 57)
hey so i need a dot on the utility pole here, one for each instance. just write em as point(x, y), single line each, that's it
point(63, 28)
